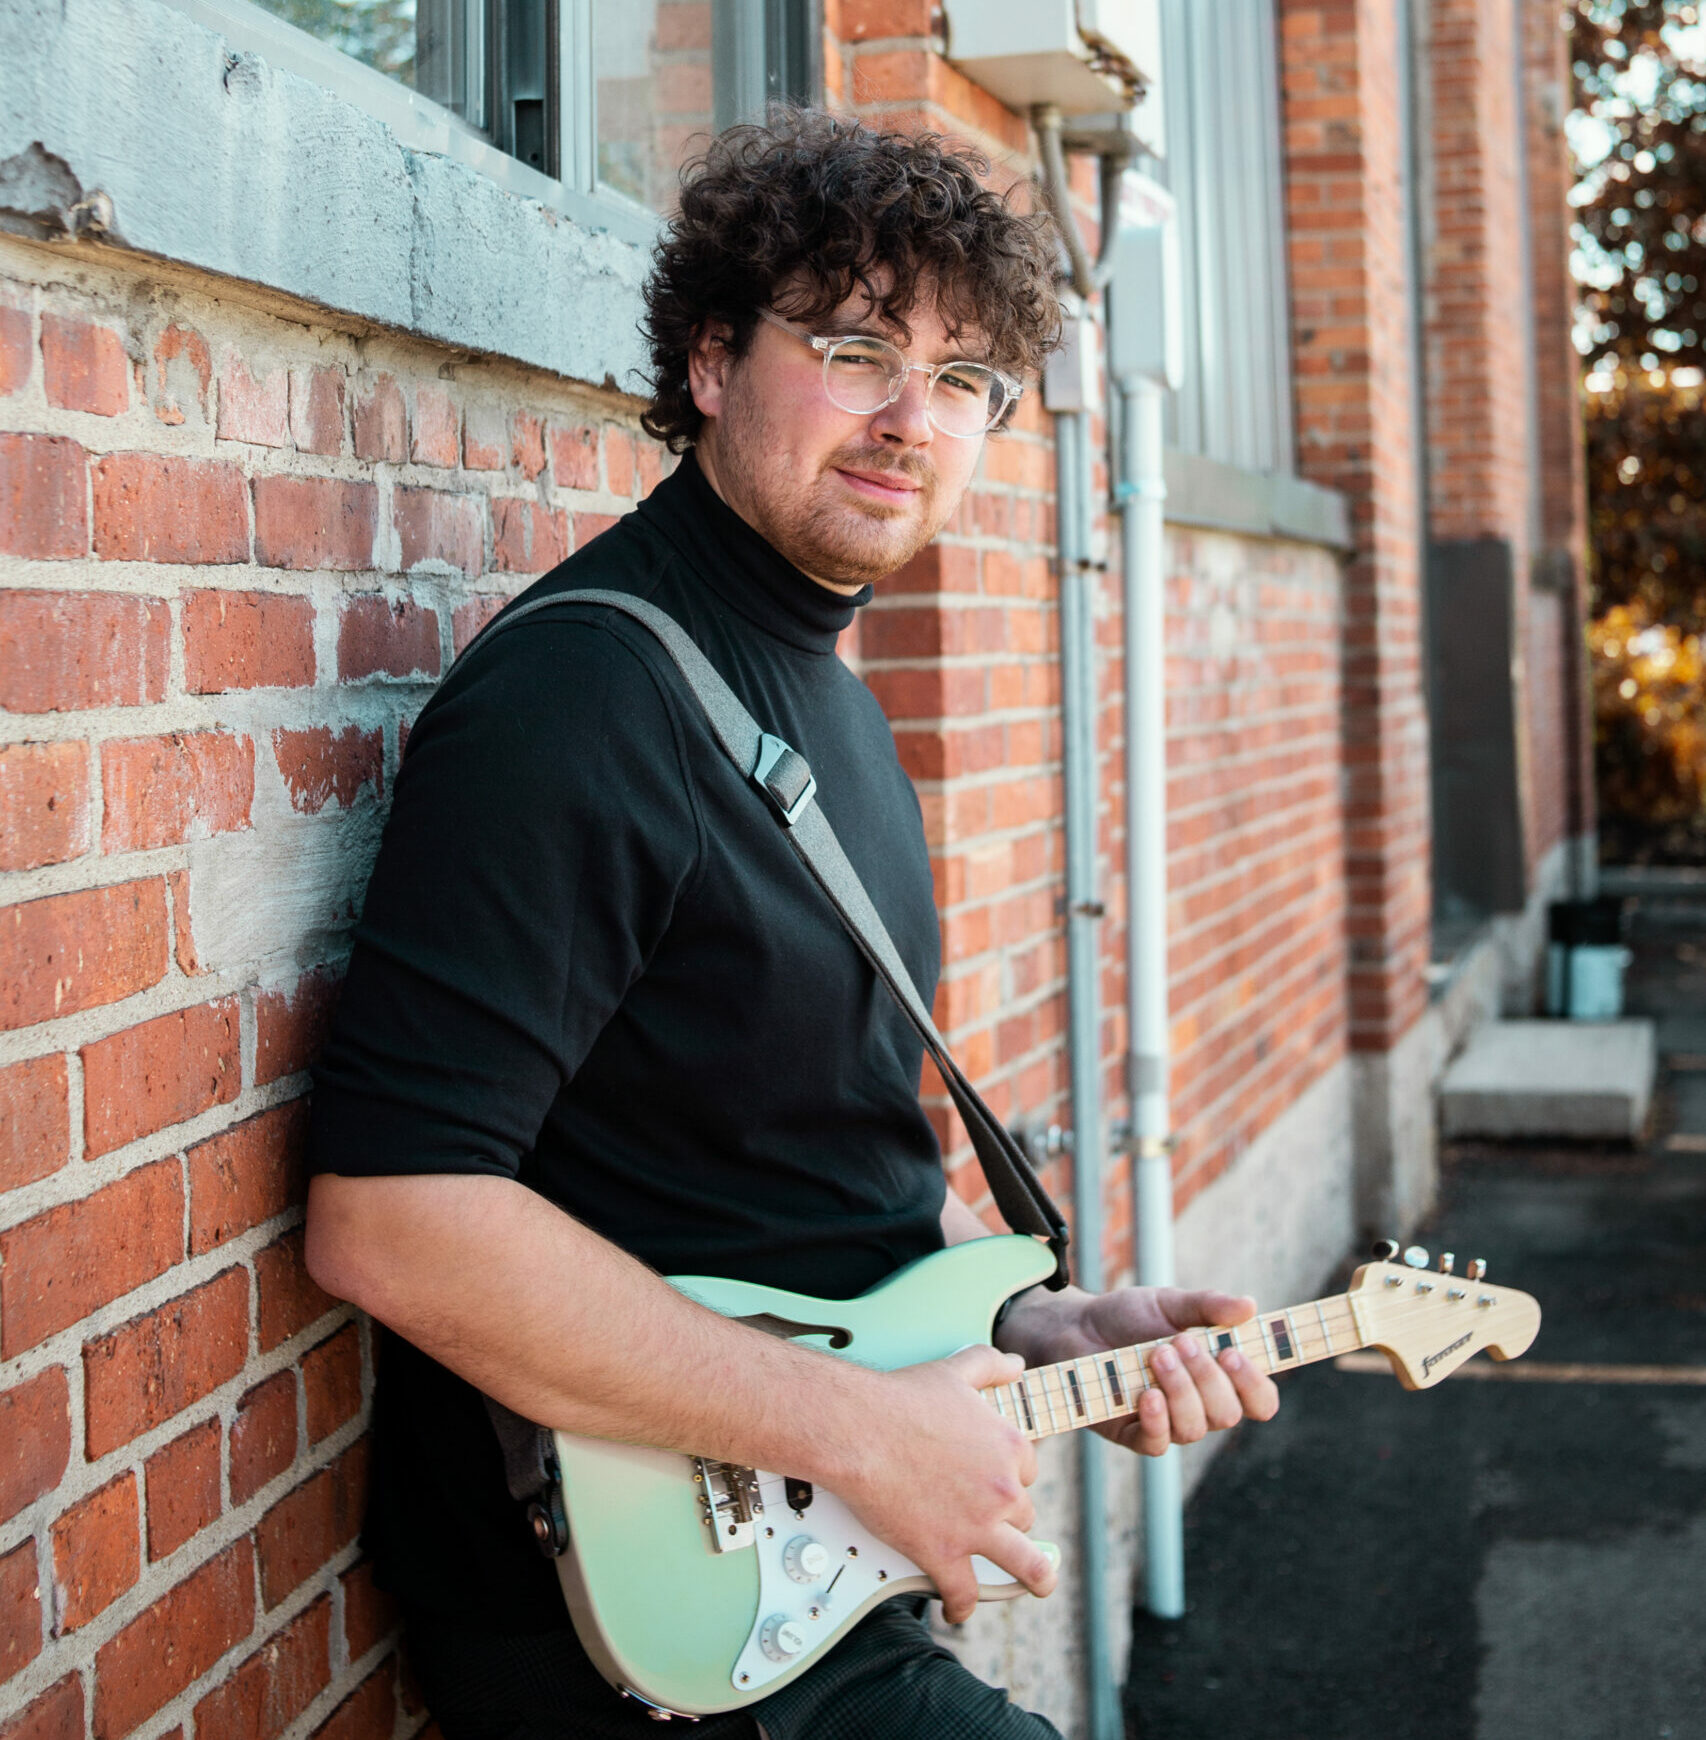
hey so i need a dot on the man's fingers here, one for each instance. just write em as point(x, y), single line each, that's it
point(1021, 1557)
point(1178, 1386)
point(1207, 1307)
point(1258, 1394)
point(981, 1366)
point(957, 1585)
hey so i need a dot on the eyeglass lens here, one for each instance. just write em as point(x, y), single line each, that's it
point(864, 374)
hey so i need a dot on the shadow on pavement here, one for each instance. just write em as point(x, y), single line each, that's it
point(1486, 1560)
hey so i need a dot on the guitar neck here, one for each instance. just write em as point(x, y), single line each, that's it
point(1050, 1399)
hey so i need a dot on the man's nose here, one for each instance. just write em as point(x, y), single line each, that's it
point(905, 421)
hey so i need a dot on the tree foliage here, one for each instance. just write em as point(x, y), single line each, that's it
point(1642, 206)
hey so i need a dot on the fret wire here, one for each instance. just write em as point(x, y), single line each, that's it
point(1268, 1348)
point(1296, 1339)
point(1099, 1361)
point(1090, 1403)
point(1048, 1400)
point(1326, 1333)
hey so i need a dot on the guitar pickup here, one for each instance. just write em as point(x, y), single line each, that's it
point(729, 1504)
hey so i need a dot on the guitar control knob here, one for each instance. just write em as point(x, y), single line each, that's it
point(806, 1560)
point(781, 1639)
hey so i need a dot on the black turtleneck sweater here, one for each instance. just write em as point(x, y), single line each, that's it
point(589, 960)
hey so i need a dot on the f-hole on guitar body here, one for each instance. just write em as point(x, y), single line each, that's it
point(697, 1586)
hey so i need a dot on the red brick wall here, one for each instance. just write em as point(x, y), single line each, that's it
point(1341, 105)
point(1561, 733)
point(235, 552)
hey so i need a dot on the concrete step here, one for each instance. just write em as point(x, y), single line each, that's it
point(1591, 1080)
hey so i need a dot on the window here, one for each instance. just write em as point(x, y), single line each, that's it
point(607, 97)
point(1223, 167)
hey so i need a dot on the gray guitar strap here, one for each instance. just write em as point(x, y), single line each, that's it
point(781, 775)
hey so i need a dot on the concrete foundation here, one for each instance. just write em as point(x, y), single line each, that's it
point(1590, 1079)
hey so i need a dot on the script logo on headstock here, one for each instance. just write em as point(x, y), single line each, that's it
point(1433, 1359)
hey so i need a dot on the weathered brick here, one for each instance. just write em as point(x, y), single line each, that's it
point(257, 411)
point(75, 951)
point(247, 640)
point(183, 935)
point(164, 1361)
point(317, 410)
point(574, 457)
point(183, 372)
point(83, 366)
point(35, 1439)
point(619, 460)
point(437, 432)
point(150, 507)
point(370, 1615)
point(875, 20)
point(289, 1298)
point(183, 1489)
point(35, 1121)
point(187, 785)
point(319, 765)
point(158, 1073)
point(263, 1436)
point(56, 1715)
point(484, 442)
point(20, 1610)
point(307, 1526)
point(435, 526)
point(377, 636)
point(527, 445)
point(58, 1267)
point(17, 349)
point(275, 1685)
point(468, 619)
point(315, 522)
point(381, 421)
point(44, 804)
point(527, 538)
point(174, 1642)
point(368, 1713)
point(246, 1174)
point(61, 651)
point(331, 1382)
point(588, 527)
point(44, 508)
point(648, 461)
point(97, 1553)
point(290, 1026)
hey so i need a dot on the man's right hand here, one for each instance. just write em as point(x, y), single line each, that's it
point(940, 1475)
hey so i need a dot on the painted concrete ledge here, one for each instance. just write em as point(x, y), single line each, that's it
point(140, 126)
point(1591, 1080)
point(1226, 498)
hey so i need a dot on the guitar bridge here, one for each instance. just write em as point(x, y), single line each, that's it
point(729, 1504)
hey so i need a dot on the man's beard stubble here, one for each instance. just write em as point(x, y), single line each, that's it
point(851, 542)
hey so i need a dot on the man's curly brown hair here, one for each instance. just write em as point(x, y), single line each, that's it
point(814, 208)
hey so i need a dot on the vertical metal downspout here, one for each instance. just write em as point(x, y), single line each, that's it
point(1078, 726)
point(1142, 492)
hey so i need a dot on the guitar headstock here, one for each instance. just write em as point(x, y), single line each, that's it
point(1429, 1321)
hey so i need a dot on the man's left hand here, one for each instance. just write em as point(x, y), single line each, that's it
point(1196, 1394)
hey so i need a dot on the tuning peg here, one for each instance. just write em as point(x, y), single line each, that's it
point(1416, 1257)
point(1385, 1250)
point(1477, 1268)
point(1446, 1260)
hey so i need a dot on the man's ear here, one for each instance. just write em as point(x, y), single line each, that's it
point(708, 362)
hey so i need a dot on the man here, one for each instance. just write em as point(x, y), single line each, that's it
point(599, 1025)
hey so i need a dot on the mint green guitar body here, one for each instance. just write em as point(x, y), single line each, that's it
point(699, 1589)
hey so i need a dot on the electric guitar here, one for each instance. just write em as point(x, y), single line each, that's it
point(697, 1586)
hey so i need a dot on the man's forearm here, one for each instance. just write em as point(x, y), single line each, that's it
point(532, 1307)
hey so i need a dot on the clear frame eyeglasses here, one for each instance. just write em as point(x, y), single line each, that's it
point(862, 374)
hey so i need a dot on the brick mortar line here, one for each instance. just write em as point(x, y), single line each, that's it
point(158, 1576)
point(79, 1179)
point(244, 711)
point(1231, 913)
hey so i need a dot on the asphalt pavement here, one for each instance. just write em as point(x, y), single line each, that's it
point(1496, 1559)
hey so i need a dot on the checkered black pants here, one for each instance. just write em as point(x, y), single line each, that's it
point(888, 1679)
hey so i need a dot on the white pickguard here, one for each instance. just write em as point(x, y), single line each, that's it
point(861, 1570)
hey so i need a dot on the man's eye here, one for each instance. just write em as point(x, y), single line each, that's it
point(973, 381)
point(861, 356)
